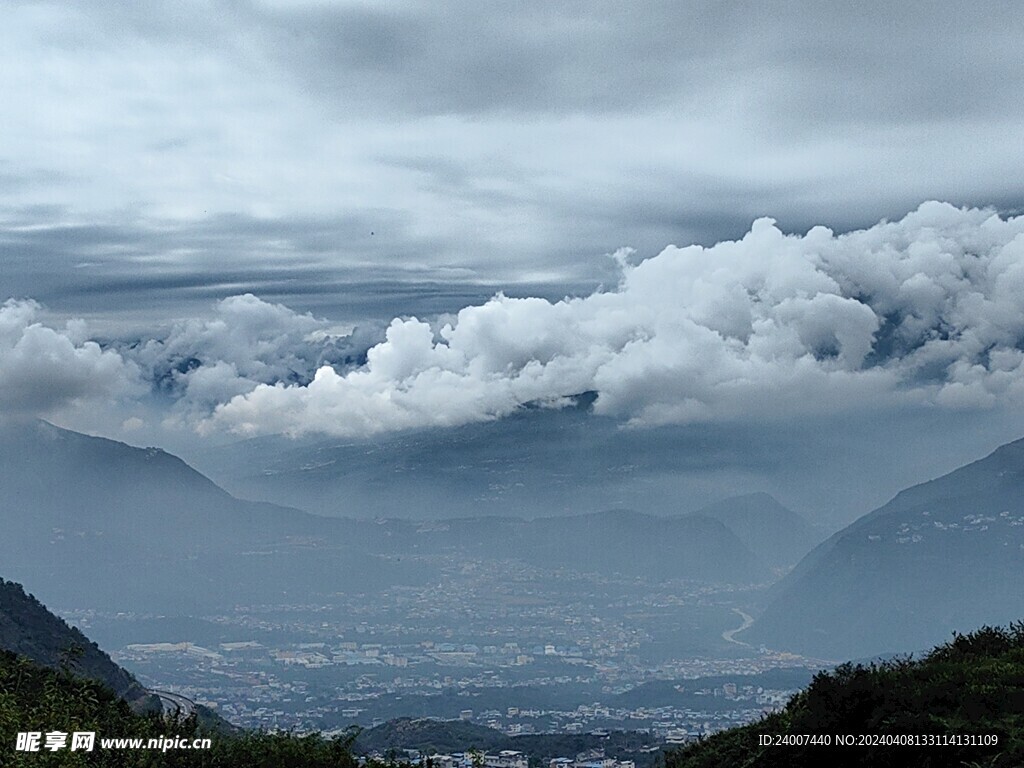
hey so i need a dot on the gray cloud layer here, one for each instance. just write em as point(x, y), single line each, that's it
point(863, 62)
point(927, 309)
point(214, 148)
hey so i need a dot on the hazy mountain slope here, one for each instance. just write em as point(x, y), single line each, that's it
point(94, 522)
point(777, 535)
point(527, 463)
point(534, 463)
point(946, 555)
point(28, 629)
point(617, 541)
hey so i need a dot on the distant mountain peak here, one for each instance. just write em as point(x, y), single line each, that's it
point(942, 556)
point(777, 534)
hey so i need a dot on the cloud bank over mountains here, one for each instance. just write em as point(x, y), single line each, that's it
point(247, 342)
point(928, 310)
point(43, 368)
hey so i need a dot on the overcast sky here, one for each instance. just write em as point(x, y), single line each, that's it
point(162, 153)
point(351, 162)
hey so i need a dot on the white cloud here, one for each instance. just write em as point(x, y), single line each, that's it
point(43, 369)
point(202, 362)
point(925, 310)
point(928, 309)
point(132, 423)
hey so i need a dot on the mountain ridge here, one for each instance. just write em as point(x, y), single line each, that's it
point(775, 533)
point(28, 629)
point(944, 555)
point(97, 523)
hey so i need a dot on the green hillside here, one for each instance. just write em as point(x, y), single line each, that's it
point(966, 690)
point(54, 679)
point(35, 698)
point(29, 629)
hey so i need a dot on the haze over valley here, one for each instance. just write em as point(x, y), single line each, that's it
point(275, 617)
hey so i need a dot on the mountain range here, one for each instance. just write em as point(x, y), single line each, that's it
point(534, 463)
point(91, 522)
point(96, 523)
point(946, 555)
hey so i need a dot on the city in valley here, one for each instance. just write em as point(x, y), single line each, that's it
point(496, 643)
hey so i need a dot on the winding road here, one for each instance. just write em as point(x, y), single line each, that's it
point(730, 634)
point(175, 703)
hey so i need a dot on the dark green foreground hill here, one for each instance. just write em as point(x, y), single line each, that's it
point(28, 629)
point(35, 698)
point(53, 678)
point(972, 686)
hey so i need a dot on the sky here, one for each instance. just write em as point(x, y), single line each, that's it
point(230, 219)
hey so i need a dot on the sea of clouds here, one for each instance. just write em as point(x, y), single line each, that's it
point(926, 310)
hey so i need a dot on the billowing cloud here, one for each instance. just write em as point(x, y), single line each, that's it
point(247, 341)
point(929, 309)
point(43, 369)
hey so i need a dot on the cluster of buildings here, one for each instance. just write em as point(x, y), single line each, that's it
point(508, 758)
point(548, 640)
point(257, 685)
